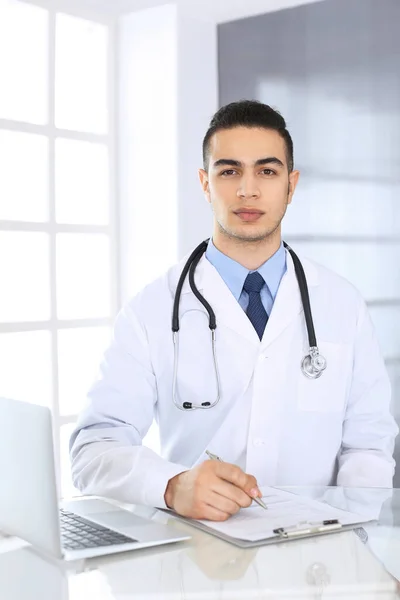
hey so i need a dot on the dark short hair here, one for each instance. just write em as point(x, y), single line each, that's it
point(248, 113)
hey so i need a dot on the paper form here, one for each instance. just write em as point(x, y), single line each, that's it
point(284, 510)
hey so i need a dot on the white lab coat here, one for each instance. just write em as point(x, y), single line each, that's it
point(278, 425)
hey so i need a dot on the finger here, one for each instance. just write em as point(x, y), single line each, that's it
point(235, 475)
point(222, 503)
point(231, 491)
point(214, 514)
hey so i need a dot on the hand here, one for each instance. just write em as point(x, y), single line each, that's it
point(213, 490)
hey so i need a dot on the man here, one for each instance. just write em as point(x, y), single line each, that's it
point(272, 425)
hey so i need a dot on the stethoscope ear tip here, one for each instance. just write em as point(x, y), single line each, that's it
point(189, 405)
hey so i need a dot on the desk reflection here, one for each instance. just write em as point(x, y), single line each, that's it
point(341, 565)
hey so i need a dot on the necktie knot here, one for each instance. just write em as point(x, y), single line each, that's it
point(253, 282)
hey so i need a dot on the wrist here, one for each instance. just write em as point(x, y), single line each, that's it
point(170, 492)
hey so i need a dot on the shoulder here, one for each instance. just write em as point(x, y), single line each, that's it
point(158, 294)
point(330, 282)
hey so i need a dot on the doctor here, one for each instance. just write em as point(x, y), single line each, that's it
point(269, 422)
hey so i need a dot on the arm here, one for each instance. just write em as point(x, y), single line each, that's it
point(106, 450)
point(107, 455)
point(369, 430)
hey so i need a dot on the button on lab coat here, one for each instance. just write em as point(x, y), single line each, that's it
point(280, 426)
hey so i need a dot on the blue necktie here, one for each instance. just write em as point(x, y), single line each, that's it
point(255, 310)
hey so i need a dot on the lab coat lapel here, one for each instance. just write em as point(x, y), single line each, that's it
point(288, 304)
point(210, 284)
point(227, 309)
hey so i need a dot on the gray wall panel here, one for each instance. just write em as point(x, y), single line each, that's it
point(332, 69)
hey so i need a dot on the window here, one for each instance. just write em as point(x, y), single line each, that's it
point(57, 210)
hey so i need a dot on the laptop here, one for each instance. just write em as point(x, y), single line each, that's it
point(29, 507)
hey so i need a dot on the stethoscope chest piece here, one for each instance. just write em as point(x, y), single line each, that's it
point(313, 364)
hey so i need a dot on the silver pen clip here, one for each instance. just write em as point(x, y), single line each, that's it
point(213, 456)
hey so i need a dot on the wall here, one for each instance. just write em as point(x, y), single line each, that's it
point(147, 145)
point(332, 69)
point(167, 94)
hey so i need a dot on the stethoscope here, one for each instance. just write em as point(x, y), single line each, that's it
point(312, 365)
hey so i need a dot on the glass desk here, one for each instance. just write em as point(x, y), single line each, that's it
point(357, 565)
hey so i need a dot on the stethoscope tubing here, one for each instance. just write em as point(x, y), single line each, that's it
point(305, 297)
point(312, 364)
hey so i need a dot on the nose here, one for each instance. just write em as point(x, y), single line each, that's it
point(248, 188)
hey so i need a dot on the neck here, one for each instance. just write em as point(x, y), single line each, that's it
point(249, 254)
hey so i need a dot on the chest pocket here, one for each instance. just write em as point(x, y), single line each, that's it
point(327, 393)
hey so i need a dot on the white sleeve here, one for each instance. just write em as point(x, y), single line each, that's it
point(106, 450)
point(369, 430)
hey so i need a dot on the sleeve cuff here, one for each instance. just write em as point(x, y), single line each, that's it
point(157, 481)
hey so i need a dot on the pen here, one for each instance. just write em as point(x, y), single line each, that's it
point(212, 456)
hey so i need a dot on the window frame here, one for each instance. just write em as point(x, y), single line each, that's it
point(51, 227)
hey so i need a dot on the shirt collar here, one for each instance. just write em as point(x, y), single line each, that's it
point(234, 274)
point(273, 270)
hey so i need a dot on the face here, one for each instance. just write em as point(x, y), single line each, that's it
point(248, 184)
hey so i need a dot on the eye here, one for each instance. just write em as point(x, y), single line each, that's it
point(268, 172)
point(228, 172)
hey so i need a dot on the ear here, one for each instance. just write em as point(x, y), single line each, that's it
point(203, 176)
point(293, 181)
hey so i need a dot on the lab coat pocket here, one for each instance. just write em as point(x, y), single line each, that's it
point(327, 393)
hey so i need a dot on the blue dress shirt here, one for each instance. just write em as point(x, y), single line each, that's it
point(234, 275)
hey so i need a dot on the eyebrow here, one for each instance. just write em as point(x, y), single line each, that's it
point(270, 160)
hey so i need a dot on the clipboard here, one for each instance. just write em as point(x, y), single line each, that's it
point(281, 534)
point(287, 516)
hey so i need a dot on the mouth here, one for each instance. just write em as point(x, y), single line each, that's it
point(248, 214)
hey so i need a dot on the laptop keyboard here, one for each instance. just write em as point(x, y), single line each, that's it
point(78, 533)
